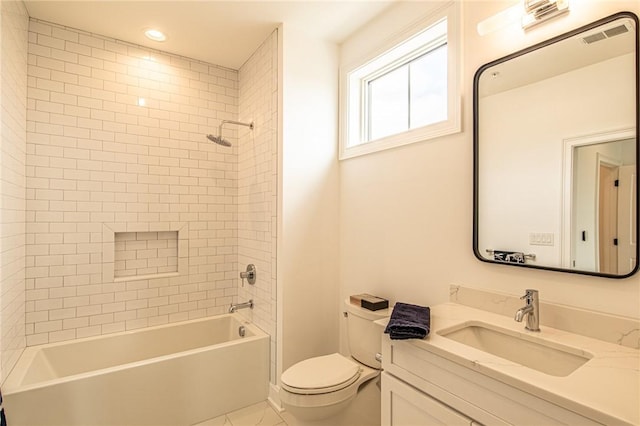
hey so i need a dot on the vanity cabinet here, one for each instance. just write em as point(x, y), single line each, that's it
point(404, 405)
point(420, 387)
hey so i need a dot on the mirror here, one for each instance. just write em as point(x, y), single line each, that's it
point(556, 153)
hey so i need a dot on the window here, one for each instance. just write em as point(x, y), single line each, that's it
point(405, 94)
point(412, 95)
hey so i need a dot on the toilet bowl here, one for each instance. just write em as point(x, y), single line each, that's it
point(321, 388)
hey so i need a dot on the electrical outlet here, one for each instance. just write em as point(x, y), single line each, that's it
point(541, 238)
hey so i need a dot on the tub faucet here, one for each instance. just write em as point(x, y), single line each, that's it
point(237, 306)
point(530, 310)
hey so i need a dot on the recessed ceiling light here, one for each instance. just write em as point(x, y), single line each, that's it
point(155, 35)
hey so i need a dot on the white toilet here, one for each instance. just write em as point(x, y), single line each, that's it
point(317, 390)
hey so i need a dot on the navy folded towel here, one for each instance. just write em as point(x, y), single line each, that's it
point(508, 256)
point(3, 419)
point(408, 322)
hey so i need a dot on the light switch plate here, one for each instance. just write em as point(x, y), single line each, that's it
point(541, 238)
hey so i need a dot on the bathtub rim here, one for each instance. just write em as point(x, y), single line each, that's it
point(13, 383)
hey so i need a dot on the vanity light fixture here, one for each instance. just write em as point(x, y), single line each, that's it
point(538, 11)
point(155, 35)
point(528, 12)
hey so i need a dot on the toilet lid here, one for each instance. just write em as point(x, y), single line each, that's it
point(321, 374)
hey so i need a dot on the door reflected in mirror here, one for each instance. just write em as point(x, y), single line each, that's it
point(604, 195)
point(556, 153)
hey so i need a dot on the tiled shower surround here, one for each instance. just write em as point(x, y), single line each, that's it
point(13, 100)
point(257, 185)
point(116, 143)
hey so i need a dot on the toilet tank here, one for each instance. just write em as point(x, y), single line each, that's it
point(364, 337)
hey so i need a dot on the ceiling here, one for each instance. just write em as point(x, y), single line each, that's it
point(558, 58)
point(219, 32)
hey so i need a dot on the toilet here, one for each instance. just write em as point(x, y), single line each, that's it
point(318, 390)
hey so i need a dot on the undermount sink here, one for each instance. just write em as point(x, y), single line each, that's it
point(541, 355)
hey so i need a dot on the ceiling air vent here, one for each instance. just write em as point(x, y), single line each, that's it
point(611, 32)
point(620, 29)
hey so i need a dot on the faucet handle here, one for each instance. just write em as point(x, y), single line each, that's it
point(529, 294)
point(249, 274)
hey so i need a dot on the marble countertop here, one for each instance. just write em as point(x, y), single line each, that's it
point(605, 389)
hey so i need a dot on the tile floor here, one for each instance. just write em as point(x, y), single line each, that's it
point(260, 414)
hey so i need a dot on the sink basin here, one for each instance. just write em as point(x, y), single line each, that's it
point(544, 356)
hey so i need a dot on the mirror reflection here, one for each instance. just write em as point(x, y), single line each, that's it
point(603, 192)
point(556, 150)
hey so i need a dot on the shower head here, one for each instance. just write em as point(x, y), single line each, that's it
point(219, 139)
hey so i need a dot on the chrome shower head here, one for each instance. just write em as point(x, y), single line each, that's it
point(219, 139)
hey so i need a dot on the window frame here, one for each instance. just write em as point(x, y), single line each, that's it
point(354, 79)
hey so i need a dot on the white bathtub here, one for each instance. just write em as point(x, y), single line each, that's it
point(176, 374)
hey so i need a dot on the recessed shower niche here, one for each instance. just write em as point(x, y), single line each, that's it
point(145, 253)
point(137, 251)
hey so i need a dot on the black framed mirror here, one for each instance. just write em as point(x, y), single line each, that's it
point(556, 153)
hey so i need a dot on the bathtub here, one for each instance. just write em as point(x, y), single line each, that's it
point(176, 374)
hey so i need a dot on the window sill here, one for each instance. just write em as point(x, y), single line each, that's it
point(421, 134)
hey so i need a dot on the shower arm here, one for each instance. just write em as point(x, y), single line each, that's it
point(239, 123)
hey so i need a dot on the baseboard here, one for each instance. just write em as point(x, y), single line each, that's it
point(274, 399)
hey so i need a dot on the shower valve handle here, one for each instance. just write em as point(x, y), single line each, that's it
point(250, 274)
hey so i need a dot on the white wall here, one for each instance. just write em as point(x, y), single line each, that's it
point(406, 214)
point(13, 97)
point(308, 223)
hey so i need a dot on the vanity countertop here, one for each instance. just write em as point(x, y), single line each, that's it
point(605, 389)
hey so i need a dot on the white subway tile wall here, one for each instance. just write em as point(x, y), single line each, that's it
point(116, 136)
point(257, 185)
point(13, 95)
point(145, 253)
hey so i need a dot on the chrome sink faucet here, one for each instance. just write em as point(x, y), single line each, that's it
point(530, 310)
point(237, 306)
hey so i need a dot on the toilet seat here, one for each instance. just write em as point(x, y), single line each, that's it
point(323, 374)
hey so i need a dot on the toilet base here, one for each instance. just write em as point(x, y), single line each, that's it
point(362, 410)
point(315, 415)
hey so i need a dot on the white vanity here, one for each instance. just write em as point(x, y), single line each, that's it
point(478, 367)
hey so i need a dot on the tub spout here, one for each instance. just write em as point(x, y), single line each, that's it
point(233, 308)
